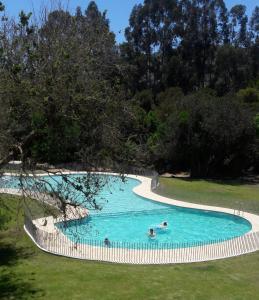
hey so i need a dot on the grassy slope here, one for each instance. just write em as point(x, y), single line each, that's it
point(28, 273)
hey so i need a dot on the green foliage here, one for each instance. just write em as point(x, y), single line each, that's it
point(151, 121)
point(208, 135)
point(164, 98)
point(62, 82)
point(24, 18)
point(152, 143)
point(184, 117)
point(249, 95)
point(145, 99)
point(176, 48)
point(2, 7)
point(17, 69)
point(166, 101)
point(29, 273)
point(4, 218)
point(257, 125)
point(191, 44)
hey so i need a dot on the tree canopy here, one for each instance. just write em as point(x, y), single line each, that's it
point(181, 92)
point(193, 66)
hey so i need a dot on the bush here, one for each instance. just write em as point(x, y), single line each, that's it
point(249, 95)
point(211, 136)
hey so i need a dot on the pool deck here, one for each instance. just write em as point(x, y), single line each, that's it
point(143, 190)
point(49, 238)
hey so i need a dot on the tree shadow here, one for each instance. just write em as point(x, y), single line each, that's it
point(13, 285)
point(10, 254)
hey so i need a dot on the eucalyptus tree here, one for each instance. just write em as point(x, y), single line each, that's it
point(174, 42)
point(141, 41)
point(238, 25)
point(254, 23)
point(254, 29)
point(205, 28)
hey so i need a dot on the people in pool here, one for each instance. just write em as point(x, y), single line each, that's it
point(163, 225)
point(107, 242)
point(151, 233)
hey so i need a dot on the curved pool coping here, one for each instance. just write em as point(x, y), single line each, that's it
point(50, 239)
point(144, 190)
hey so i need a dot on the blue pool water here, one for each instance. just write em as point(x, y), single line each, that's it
point(126, 217)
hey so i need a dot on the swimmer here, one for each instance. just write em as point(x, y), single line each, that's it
point(107, 242)
point(163, 225)
point(151, 233)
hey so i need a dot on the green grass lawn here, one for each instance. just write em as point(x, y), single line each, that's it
point(28, 273)
point(231, 194)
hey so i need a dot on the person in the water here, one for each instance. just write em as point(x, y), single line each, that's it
point(107, 242)
point(163, 225)
point(151, 233)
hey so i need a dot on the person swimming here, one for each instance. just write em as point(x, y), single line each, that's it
point(151, 233)
point(107, 242)
point(163, 225)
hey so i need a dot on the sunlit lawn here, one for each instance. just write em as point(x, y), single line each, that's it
point(231, 194)
point(28, 273)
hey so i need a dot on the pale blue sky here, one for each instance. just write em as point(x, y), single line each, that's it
point(118, 10)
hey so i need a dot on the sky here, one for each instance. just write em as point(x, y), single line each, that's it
point(118, 11)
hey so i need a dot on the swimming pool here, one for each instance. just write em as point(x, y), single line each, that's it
point(126, 218)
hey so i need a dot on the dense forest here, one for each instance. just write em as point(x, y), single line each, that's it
point(181, 93)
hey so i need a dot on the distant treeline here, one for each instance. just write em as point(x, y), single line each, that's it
point(181, 93)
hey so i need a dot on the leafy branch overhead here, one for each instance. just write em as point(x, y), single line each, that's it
point(61, 100)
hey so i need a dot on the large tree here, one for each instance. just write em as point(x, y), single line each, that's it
point(61, 99)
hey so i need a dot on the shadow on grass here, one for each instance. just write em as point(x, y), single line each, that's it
point(12, 285)
point(10, 254)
